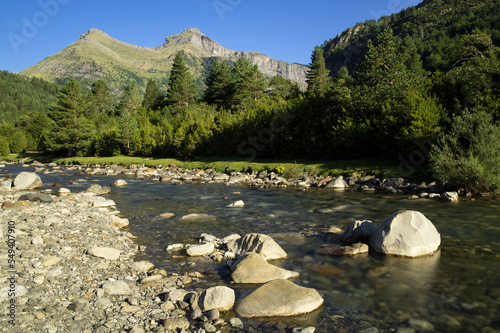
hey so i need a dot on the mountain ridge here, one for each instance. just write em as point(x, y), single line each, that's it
point(96, 55)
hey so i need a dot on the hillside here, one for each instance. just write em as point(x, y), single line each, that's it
point(96, 55)
point(434, 26)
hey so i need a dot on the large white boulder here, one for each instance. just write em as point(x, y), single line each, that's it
point(259, 243)
point(27, 181)
point(406, 233)
point(278, 298)
point(221, 298)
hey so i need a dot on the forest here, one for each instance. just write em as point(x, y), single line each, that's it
point(387, 106)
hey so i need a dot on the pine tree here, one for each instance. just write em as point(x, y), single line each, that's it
point(248, 82)
point(130, 100)
point(318, 79)
point(102, 99)
point(218, 81)
point(127, 108)
point(182, 90)
point(72, 131)
point(152, 96)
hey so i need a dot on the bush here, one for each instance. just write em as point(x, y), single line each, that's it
point(468, 157)
point(4, 147)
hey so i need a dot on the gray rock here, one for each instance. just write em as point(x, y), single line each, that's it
point(195, 314)
point(337, 183)
point(221, 298)
point(142, 266)
point(420, 325)
point(212, 315)
point(41, 197)
point(406, 233)
point(209, 327)
point(349, 250)
point(116, 288)
point(450, 196)
point(200, 250)
point(252, 268)
point(101, 202)
point(278, 298)
point(176, 324)
point(6, 185)
point(198, 217)
point(119, 183)
point(137, 329)
point(259, 243)
point(27, 181)
point(98, 189)
point(236, 323)
point(357, 232)
point(310, 329)
point(108, 253)
point(103, 303)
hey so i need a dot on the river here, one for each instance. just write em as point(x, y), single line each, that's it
point(455, 290)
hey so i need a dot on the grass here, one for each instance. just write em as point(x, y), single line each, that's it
point(288, 168)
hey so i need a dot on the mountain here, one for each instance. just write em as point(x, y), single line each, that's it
point(96, 55)
point(434, 26)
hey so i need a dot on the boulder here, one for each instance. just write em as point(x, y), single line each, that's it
point(64, 191)
point(27, 181)
point(108, 253)
point(198, 218)
point(119, 183)
point(337, 183)
point(142, 266)
point(176, 324)
point(450, 196)
point(357, 232)
point(406, 233)
point(259, 243)
point(252, 268)
point(221, 298)
point(200, 250)
point(238, 203)
point(101, 202)
point(41, 197)
point(278, 298)
point(98, 189)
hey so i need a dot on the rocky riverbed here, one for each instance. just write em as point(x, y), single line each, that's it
point(70, 268)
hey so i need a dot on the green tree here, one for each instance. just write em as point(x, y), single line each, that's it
point(283, 88)
point(102, 98)
point(71, 132)
point(318, 79)
point(218, 84)
point(182, 90)
point(468, 157)
point(4, 146)
point(130, 100)
point(153, 97)
point(248, 83)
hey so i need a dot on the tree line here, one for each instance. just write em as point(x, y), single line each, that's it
point(379, 111)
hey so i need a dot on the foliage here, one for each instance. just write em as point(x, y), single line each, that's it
point(468, 157)
point(71, 131)
point(4, 146)
point(182, 90)
point(318, 79)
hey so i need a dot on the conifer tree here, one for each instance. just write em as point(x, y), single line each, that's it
point(318, 79)
point(218, 81)
point(127, 109)
point(102, 99)
point(72, 131)
point(182, 90)
point(248, 82)
point(152, 96)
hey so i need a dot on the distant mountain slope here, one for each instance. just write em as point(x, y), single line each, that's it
point(434, 25)
point(96, 55)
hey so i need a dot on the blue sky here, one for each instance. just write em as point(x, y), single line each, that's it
point(31, 30)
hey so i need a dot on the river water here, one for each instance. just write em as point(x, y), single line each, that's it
point(455, 290)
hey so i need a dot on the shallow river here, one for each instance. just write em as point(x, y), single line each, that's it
point(456, 290)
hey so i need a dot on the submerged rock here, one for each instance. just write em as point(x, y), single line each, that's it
point(41, 197)
point(119, 183)
point(200, 250)
point(259, 243)
point(198, 217)
point(252, 268)
point(406, 233)
point(278, 298)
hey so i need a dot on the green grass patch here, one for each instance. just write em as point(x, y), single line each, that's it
point(287, 168)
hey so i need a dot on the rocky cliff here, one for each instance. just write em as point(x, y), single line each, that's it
point(96, 55)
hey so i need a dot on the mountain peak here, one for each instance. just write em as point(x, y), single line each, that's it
point(93, 31)
point(192, 30)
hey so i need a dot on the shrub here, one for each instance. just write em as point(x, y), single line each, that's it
point(468, 157)
point(4, 147)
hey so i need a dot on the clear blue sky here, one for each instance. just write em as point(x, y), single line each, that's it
point(31, 30)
